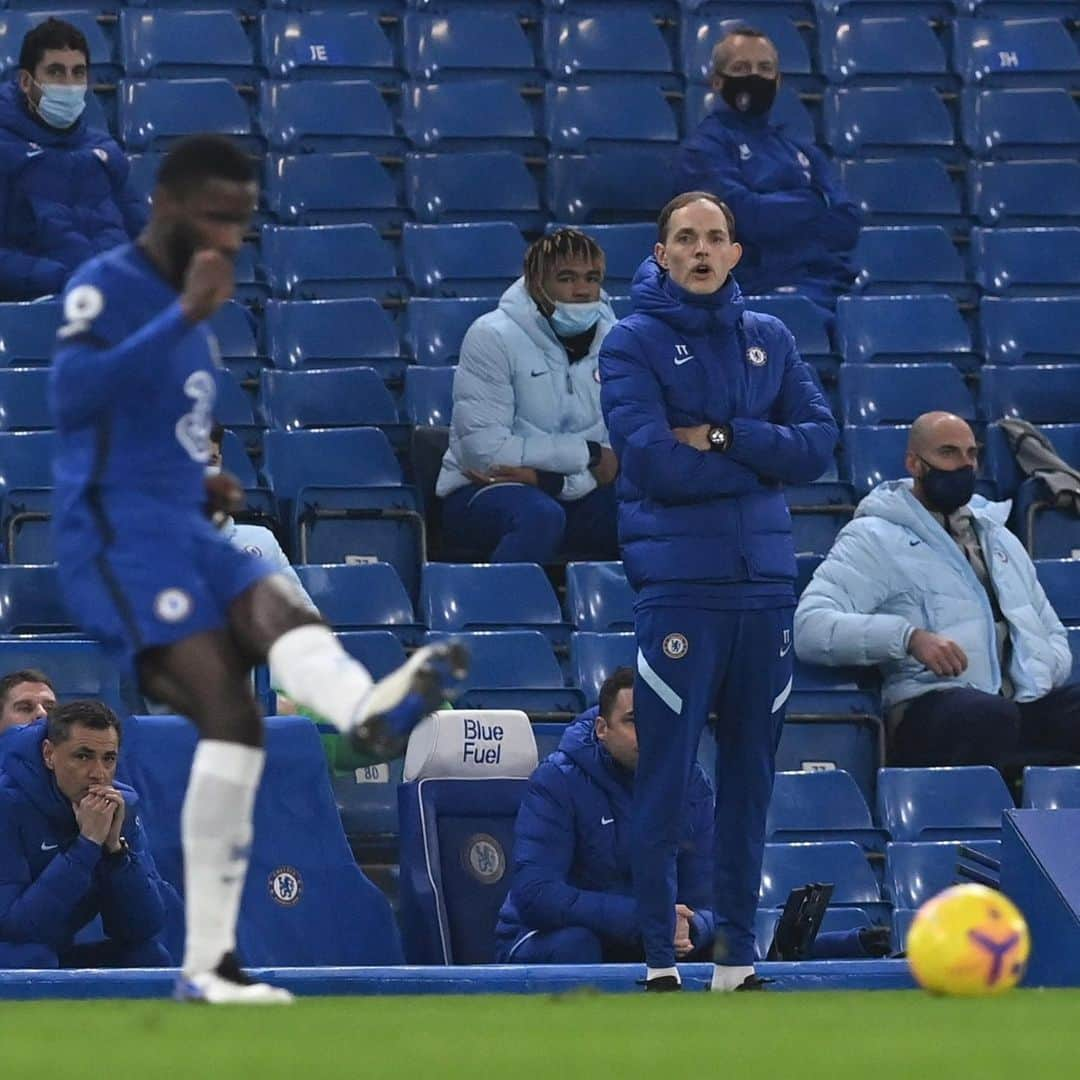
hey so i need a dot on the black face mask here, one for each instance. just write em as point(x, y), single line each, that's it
point(946, 490)
point(752, 94)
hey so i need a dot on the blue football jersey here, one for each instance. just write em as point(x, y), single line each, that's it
point(132, 388)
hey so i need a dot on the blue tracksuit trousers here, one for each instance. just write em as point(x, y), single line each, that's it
point(690, 663)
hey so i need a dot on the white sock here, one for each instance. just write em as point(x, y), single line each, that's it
point(659, 973)
point(312, 668)
point(216, 831)
point(727, 978)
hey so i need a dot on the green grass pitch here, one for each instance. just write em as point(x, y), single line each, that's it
point(873, 1036)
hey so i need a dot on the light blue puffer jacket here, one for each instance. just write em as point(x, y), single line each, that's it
point(519, 401)
point(894, 570)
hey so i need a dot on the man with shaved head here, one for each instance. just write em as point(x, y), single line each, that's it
point(928, 584)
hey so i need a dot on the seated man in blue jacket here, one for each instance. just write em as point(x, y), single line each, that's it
point(570, 898)
point(72, 849)
point(928, 584)
point(797, 225)
point(64, 190)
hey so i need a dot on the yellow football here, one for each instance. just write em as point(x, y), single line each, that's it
point(968, 940)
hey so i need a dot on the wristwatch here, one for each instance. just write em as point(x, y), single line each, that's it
point(123, 850)
point(720, 438)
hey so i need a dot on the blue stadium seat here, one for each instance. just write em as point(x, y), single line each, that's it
point(1065, 438)
point(872, 455)
point(366, 799)
point(1007, 52)
point(328, 115)
point(593, 657)
point(840, 862)
point(341, 493)
point(902, 329)
point(1043, 394)
point(331, 189)
point(236, 329)
point(468, 40)
point(868, 50)
point(497, 596)
point(603, 115)
point(817, 806)
point(28, 332)
point(897, 393)
point(326, 398)
point(26, 496)
point(326, 45)
point(598, 597)
point(1025, 192)
point(1046, 787)
point(625, 247)
point(434, 327)
point(915, 872)
point(788, 112)
point(962, 803)
point(457, 837)
point(184, 45)
point(1030, 330)
point(329, 262)
point(314, 333)
point(1060, 578)
point(469, 114)
point(860, 121)
point(803, 318)
point(514, 669)
point(152, 112)
point(700, 35)
point(306, 902)
point(462, 260)
point(909, 259)
point(612, 186)
point(235, 459)
point(30, 601)
point(617, 43)
point(234, 408)
point(24, 401)
point(1027, 261)
point(1027, 123)
point(428, 400)
point(14, 26)
point(485, 186)
point(77, 669)
point(903, 191)
point(365, 597)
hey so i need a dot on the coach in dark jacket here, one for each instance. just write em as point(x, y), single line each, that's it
point(72, 849)
point(570, 899)
point(65, 195)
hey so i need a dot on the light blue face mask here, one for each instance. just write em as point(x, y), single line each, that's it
point(570, 320)
point(61, 106)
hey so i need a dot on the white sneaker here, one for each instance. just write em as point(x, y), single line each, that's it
point(397, 703)
point(228, 985)
point(726, 979)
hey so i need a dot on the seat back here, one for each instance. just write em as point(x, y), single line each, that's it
point(612, 44)
point(1044, 393)
point(485, 185)
point(908, 258)
point(30, 601)
point(902, 190)
point(479, 259)
point(487, 596)
point(184, 44)
point(326, 44)
point(306, 902)
point(471, 114)
point(909, 118)
point(346, 457)
point(464, 42)
point(898, 393)
point(325, 189)
point(598, 597)
point(891, 328)
point(429, 395)
point(326, 398)
point(28, 332)
point(153, 112)
point(839, 862)
point(1052, 788)
point(593, 657)
point(992, 52)
point(1030, 330)
point(1037, 260)
point(609, 184)
point(24, 399)
point(326, 262)
point(823, 802)
point(959, 803)
point(593, 115)
point(465, 775)
point(305, 333)
point(77, 669)
point(435, 326)
point(862, 49)
point(916, 872)
point(328, 115)
point(1060, 578)
point(365, 597)
point(1025, 192)
point(1021, 123)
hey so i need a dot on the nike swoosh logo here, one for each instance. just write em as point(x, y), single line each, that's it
point(785, 651)
point(534, 374)
point(914, 543)
point(48, 847)
point(34, 153)
point(606, 820)
point(680, 360)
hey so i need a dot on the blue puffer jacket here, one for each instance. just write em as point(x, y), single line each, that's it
point(894, 570)
point(688, 517)
point(793, 217)
point(54, 881)
point(64, 197)
point(572, 848)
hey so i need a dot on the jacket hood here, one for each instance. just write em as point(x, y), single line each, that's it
point(25, 770)
point(517, 305)
point(893, 501)
point(654, 293)
point(16, 118)
point(580, 744)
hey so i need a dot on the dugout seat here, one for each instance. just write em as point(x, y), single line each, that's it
point(1020, 262)
point(462, 260)
point(593, 657)
point(327, 398)
point(428, 400)
point(470, 114)
point(820, 806)
point(1043, 393)
point(434, 327)
point(916, 872)
point(1011, 52)
point(16, 24)
point(464, 42)
point(1060, 578)
point(960, 803)
point(306, 902)
point(614, 44)
point(464, 778)
point(898, 329)
point(860, 121)
point(1026, 123)
point(1025, 193)
point(867, 50)
point(26, 496)
point(600, 115)
point(77, 669)
point(1030, 330)
point(153, 112)
point(898, 393)
point(598, 597)
point(911, 259)
point(28, 332)
point(841, 863)
point(327, 45)
point(608, 185)
point(24, 399)
point(365, 597)
point(904, 191)
point(184, 45)
point(331, 189)
point(1052, 788)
